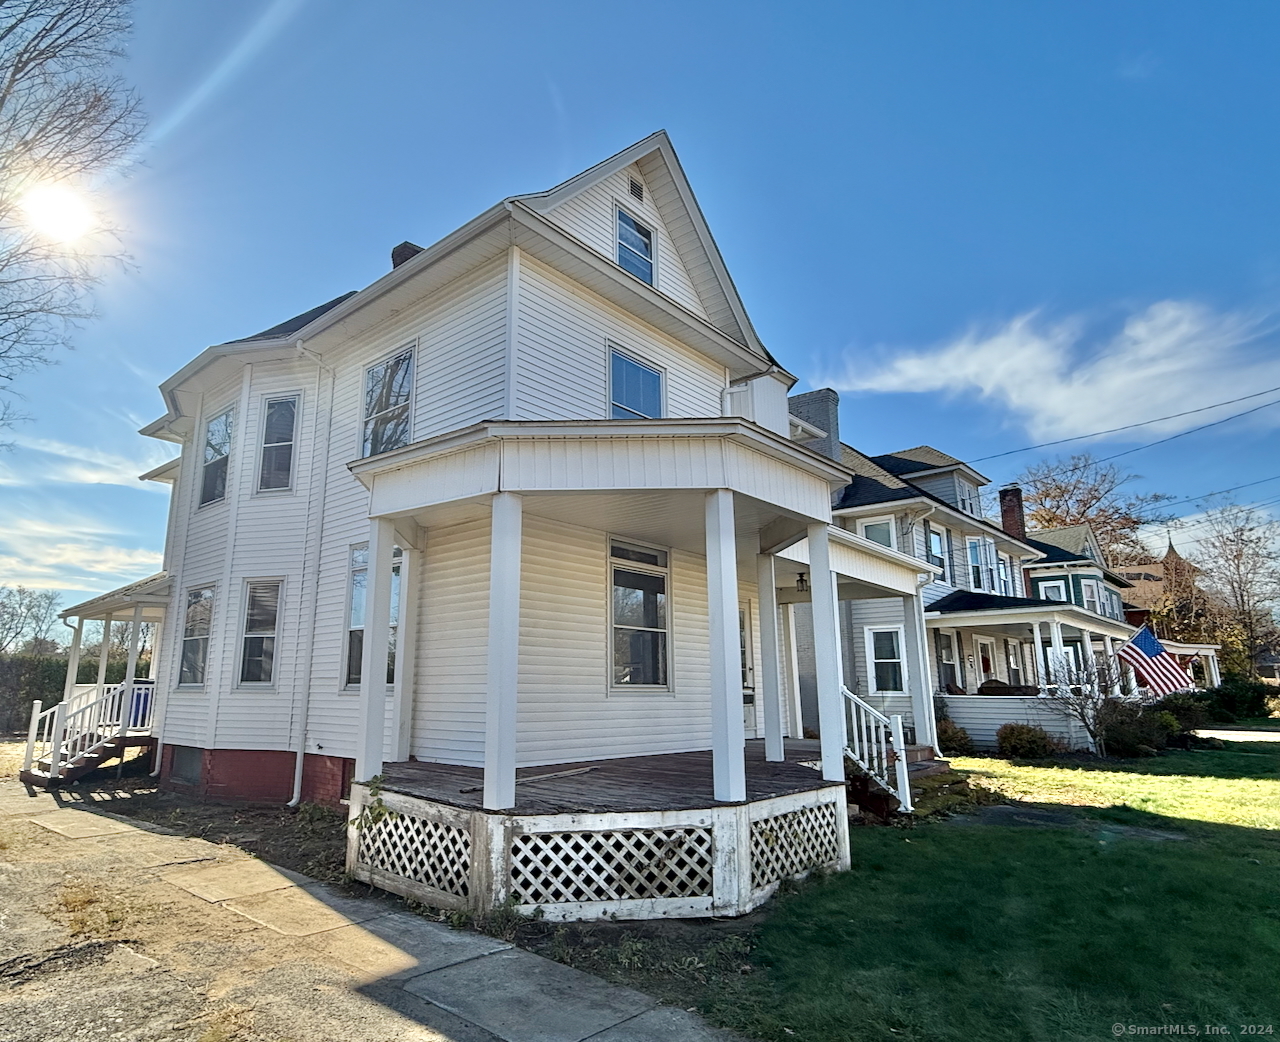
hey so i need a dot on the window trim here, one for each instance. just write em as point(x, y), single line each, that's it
point(207, 638)
point(610, 562)
point(1043, 585)
point(637, 359)
point(270, 580)
point(869, 642)
point(264, 403)
point(410, 348)
point(201, 503)
point(620, 208)
point(346, 685)
point(879, 520)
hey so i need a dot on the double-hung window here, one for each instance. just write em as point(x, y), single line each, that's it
point(388, 393)
point(640, 616)
point(948, 667)
point(196, 620)
point(935, 550)
point(884, 656)
point(217, 449)
point(878, 530)
point(982, 573)
point(635, 247)
point(276, 469)
point(261, 617)
point(356, 612)
point(635, 389)
point(1089, 587)
point(1006, 575)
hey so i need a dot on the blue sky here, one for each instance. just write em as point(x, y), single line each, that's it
point(987, 223)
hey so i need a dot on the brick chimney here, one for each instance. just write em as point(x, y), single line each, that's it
point(405, 251)
point(822, 409)
point(1013, 518)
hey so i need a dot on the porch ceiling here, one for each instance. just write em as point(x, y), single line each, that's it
point(1019, 621)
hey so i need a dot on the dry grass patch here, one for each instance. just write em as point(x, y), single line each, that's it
point(89, 912)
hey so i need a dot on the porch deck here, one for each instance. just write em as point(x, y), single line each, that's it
point(668, 782)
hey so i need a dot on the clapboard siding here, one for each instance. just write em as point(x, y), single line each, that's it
point(983, 715)
point(589, 217)
point(562, 355)
point(941, 485)
point(566, 710)
point(855, 617)
point(452, 646)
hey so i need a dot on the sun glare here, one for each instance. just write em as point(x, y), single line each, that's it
point(59, 213)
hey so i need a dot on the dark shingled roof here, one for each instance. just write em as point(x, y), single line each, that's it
point(1056, 554)
point(965, 600)
point(292, 325)
point(871, 483)
point(908, 461)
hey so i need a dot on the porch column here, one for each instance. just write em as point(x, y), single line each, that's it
point(135, 639)
point(1090, 659)
point(73, 661)
point(1112, 663)
point(372, 723)
point(1215, 677)
point(1042, 674)
point(504, 652)
point(791, 663)
point(103, 651)
point(727, 734)
point(826, 652)
point(157, 636)
point(770, 658)
point(1058, 665)
point(919, 683)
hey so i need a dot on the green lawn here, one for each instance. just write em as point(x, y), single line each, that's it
point(991, 932)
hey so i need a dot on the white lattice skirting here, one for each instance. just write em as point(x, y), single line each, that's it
point(722, 860)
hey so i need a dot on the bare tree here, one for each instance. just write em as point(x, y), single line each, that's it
point(26, 615)
point(1240, 570)
point(64, 117)
point(1081, 490)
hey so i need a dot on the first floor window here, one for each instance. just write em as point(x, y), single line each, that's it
point(356, 611)
point(885, 648)
point(196, 621)
point(639, 609)
point(262, 611)
point(1013, 660)
point(388, 391)
point(277, 444)
point(217, 450)
point(744, 647)
point(948, 668)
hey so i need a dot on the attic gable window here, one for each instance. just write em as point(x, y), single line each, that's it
point(635, 247)
point(217, 449)
point(388, 392)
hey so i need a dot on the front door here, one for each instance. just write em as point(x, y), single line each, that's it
point(986, 649)
point(747, 652)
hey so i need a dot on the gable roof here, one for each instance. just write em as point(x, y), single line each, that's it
point(1075, 540)
point(910, 461)
point(292, 325)
point(871, 482)
point(674, 199)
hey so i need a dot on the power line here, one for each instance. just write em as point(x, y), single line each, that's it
point(1222, 491)
point(1131, 426)
point(1182, 434)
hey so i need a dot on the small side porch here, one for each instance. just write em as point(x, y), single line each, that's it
point(96, 722)
point(633, 837)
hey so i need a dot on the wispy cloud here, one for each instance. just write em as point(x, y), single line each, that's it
point(62, 463)
point(1061, 378)
point(61, 550)
point(1138, 66)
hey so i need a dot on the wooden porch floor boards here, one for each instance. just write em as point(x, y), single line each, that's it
point(672, 781)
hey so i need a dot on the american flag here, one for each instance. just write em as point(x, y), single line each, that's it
point(1158, 669)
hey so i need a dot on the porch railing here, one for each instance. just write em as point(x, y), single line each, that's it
point(875, 743)
point(70, 733)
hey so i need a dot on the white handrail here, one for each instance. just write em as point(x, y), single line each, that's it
point(876, 744)
point(71, 731)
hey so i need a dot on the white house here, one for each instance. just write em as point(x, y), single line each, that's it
point(509, 543)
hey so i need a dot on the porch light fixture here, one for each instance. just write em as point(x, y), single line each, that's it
point(802, 584)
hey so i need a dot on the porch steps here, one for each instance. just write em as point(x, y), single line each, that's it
point(922, 762)
point(40, 776)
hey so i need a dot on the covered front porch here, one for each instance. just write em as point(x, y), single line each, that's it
point(623, 609)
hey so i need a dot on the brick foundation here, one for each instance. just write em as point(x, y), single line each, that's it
point(264, 775)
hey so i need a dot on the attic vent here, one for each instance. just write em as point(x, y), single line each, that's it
point(637, 189)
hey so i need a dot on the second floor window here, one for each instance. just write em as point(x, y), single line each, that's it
point(262, 611)
point(878, 530)
point(635, 247)
point(217, 450)
point(1089, 588)
point(937, 551)
point(276, 471)
point(1055, 591)
point(635, 389)
point(388, 392)
point(982, 572)
point(196, 622)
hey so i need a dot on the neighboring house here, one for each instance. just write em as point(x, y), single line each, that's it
point(1169, 585)
point(509, 531)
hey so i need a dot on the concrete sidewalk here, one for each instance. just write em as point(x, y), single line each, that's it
point(111, 928)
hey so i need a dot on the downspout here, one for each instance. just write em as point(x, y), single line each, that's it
point(302, 713)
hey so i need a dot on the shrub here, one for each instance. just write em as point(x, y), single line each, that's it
point(1134, 730)
point(953, 740)
point(1191, 709)
point(1026, 742)
point(1243, 697)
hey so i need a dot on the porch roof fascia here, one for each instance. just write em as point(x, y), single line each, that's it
point(870, 546)
point(1070, 614)
point(1180, 647)
point(494, 431)
point(151, 592)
